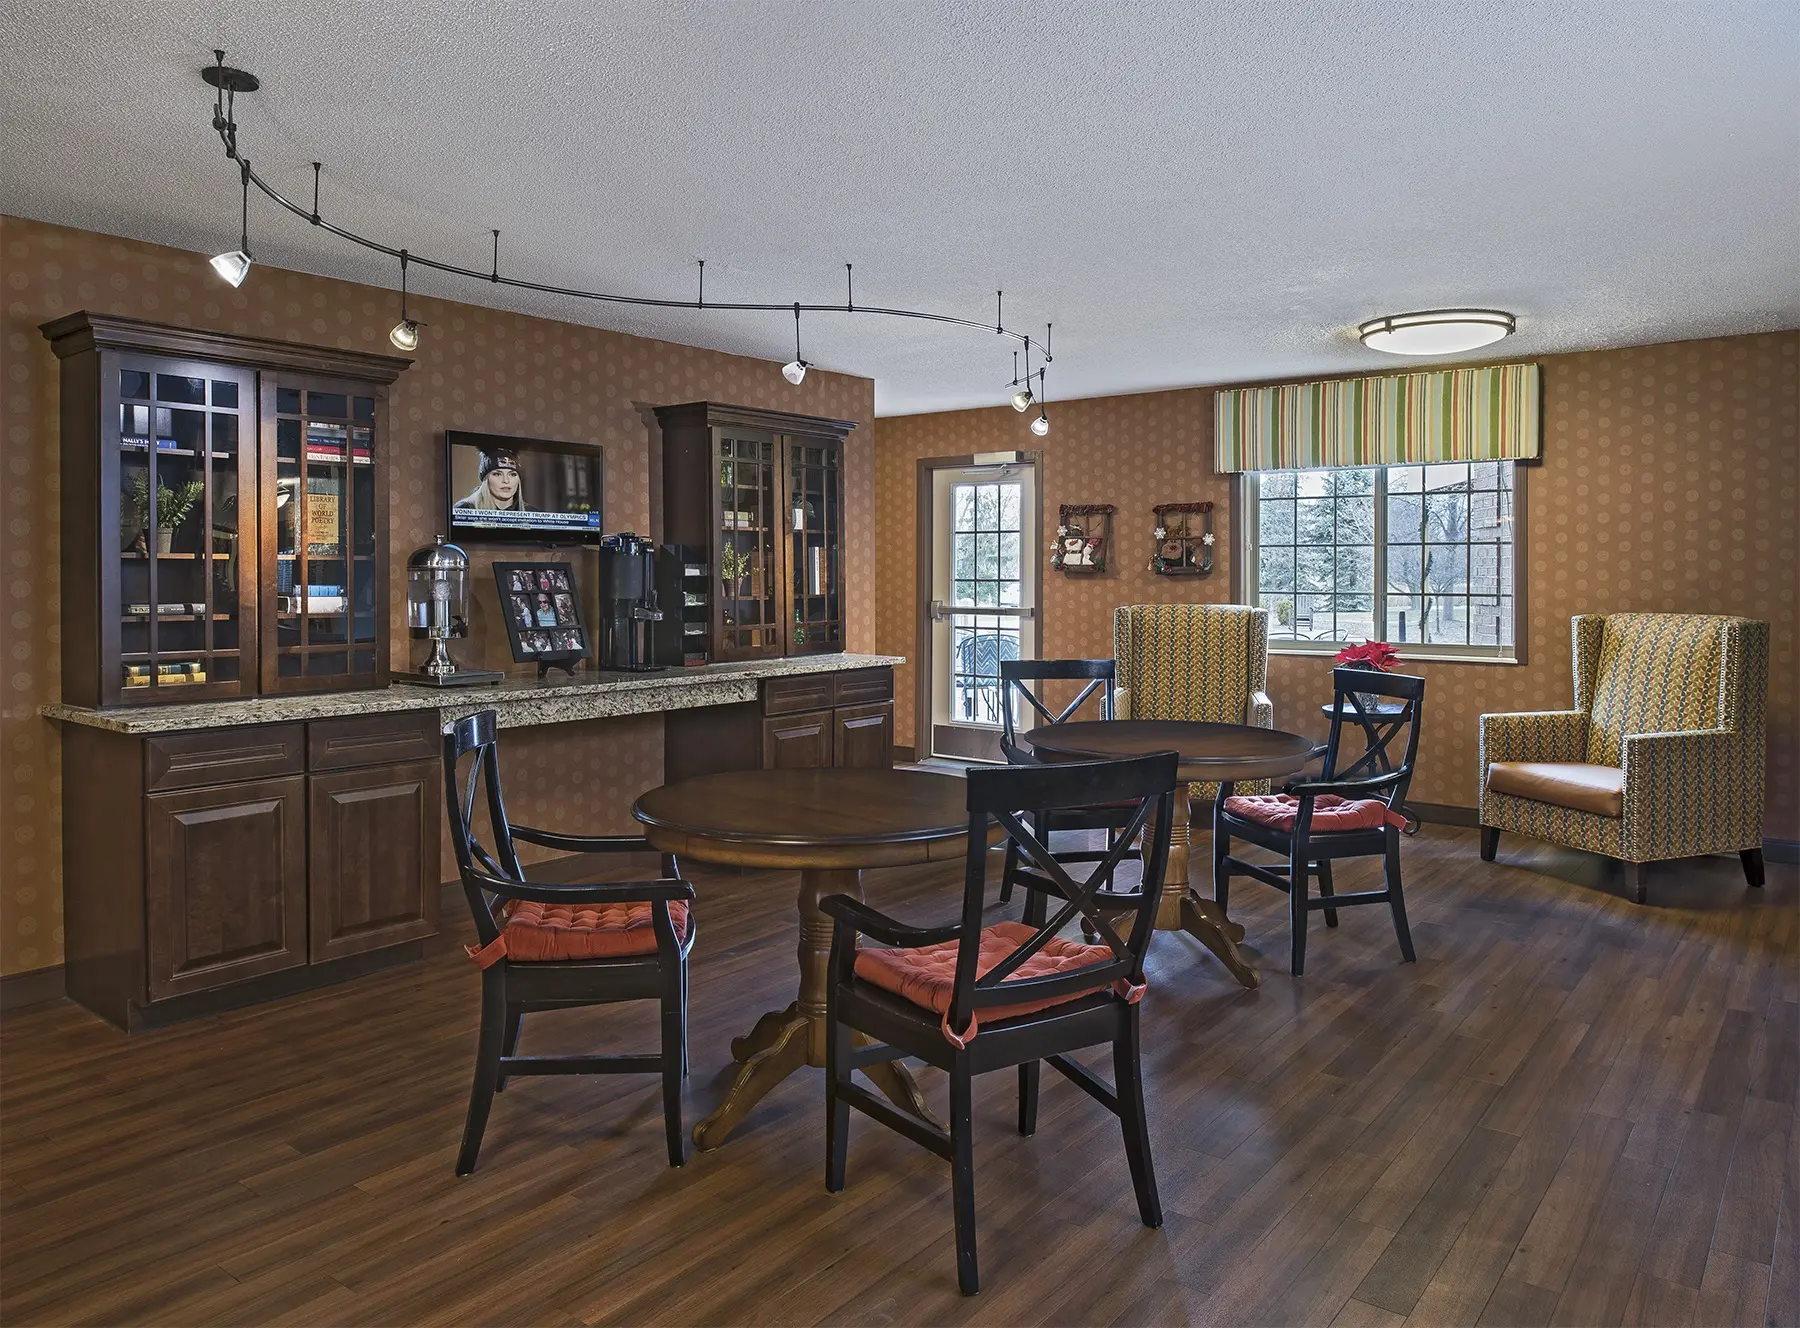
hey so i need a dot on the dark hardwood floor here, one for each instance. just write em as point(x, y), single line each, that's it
point(1571, 1110)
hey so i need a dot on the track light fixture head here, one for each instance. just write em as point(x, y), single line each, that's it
point(795, 369)
point(234, 264)
point(1022, 399)
point(1041, 425)
point(405, 335)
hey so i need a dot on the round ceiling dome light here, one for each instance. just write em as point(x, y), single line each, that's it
point(1436, 331)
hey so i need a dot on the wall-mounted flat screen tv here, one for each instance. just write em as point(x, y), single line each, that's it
point(523, 490)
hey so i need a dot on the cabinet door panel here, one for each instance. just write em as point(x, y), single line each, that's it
point(225, 884)
point(373, 865)
point(797, 742)
point(863, 736)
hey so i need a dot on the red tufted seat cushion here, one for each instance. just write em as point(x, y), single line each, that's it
point(1331, 814)
point(539, 933)
point(926, 976)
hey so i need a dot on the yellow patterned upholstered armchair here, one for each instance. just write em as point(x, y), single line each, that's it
point(1193, 661)
point(1662, 756)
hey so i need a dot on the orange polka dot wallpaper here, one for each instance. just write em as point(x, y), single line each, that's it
point(476, 369)
point(1670, 482)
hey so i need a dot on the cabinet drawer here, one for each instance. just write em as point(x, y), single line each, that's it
point(223, 756)
point(864, 686)
point(344, 744)
point(786, 696)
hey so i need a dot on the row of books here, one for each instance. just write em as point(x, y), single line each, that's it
point(167, 675)
point(174, 606)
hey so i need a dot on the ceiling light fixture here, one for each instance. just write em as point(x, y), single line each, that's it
point(229, 81)
point(1041, 425)
point(1436, 331)
point(405, 335)
point(1021, 397)
point(795, 369)
point(234, 265)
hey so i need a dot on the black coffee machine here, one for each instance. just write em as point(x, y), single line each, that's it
point(628, 611)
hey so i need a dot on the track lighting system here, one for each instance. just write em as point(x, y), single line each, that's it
point(234, 266)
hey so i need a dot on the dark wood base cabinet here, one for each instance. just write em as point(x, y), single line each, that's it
point(808, 721)
point(221, 867)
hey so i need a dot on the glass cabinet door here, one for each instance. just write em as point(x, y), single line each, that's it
point(748, 490)
point(185, 438)
point(815, 534)
point(320, 493)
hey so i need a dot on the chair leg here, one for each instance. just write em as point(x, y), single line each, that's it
point(684, 1019)
point(1490, 842)
point(1753, 865)
point(1006, 872)
point(487, 1064)
point(837, 1110)
point(1221, 849)
point(674, 1042)
point(1326, 890)
point(962, 1173)
point(1298, 872)
point(1029, 1074)
point(1128, 1079)
point(1638, 874)
point(1397, 897)
point(515, 1020)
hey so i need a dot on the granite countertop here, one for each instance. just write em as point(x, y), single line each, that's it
point(521, 701)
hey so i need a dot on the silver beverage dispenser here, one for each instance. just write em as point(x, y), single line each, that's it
point(437, 589)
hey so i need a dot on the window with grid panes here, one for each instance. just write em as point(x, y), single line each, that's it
point(1419, 556)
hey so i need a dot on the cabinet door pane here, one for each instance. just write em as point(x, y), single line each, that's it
point(814, 540)
point(181, 429)
point(748, 493)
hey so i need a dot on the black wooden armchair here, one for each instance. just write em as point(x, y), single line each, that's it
point(1341, 814)
point(970, 999)
point(548, 947)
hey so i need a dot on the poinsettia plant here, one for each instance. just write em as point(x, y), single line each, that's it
point(1377, 655)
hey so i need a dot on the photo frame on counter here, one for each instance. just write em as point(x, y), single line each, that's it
point(542, 607)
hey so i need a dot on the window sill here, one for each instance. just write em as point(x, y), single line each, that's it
point(1406, 656)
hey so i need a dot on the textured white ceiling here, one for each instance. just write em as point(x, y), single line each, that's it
point(1191, 193)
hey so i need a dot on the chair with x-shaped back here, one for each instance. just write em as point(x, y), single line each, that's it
point(969, 999)
point(553, 947)
point(1018, 678)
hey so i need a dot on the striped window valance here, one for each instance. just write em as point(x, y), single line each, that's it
point(1488, 414)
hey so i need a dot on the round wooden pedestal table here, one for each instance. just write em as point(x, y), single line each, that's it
point(1224, 754)
point(830, 824)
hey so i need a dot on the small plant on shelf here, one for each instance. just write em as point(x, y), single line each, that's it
point(173, 508)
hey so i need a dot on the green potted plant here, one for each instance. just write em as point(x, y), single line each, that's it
point(173, 508)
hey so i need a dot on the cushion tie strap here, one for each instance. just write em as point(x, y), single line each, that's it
point(486, 956)
point(1394, 818)
point(1133, 992)
point(959, 1042)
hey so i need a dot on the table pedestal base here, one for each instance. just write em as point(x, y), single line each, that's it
point(1182, 909)
point(783, 1041)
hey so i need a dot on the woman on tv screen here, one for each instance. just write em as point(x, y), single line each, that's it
point(500, 489)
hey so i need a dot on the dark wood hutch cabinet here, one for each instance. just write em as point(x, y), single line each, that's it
point(224, 530)
point(761, 494)
point(224, 535)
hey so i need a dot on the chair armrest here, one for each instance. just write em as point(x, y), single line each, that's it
point(859, 917)
point(1691, 792)
point(1344, 788)
point(608, 892)
point(583, 843)
point(1261, 712)
point(1541, 735)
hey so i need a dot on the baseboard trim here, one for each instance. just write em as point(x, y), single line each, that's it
point(1444, 813)
point(903, 755)
point(1782, 850)
point(40, 986)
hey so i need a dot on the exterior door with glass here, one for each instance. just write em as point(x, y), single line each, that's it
point(983, 599)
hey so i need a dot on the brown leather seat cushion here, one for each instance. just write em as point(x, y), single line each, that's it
point(1599, 789)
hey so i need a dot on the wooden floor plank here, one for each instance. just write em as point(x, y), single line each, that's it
point(1476, 1137)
